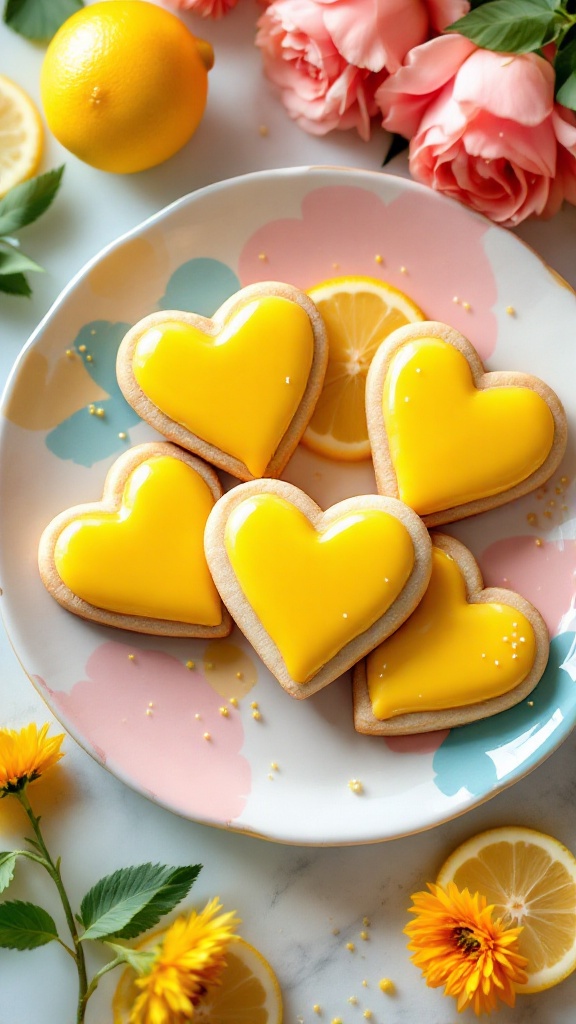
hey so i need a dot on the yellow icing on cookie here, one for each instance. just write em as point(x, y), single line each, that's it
point(449, 653)
point(146, 559)
point(450, 442)
point(315, 591)
point(238, 391)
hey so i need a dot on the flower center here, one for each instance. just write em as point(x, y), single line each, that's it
point(466, 940)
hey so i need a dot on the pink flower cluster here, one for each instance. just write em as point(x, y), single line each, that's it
point(484, 128)
point(329, 57)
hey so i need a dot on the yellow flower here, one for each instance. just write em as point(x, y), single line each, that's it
point(188, 961)
point(25, 756)
point(457, 943)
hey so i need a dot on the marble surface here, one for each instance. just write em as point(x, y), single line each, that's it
point(301, 906)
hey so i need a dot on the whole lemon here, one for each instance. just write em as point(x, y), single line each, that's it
point(124, 84)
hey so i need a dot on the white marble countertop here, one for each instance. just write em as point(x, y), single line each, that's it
point(292, 900)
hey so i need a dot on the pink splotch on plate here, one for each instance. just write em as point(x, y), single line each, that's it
point(161, 727)
point(429, 248)
point(544, 572)
point(418, 743)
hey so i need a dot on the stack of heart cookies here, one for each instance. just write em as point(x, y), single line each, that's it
point(363, 584)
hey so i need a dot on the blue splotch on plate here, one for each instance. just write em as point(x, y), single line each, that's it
point(477, 757)
point(83, 438)
point(200, 286)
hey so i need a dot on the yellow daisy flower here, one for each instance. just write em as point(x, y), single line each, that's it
point(457, 943)
point(26, 755)
point(189, 960)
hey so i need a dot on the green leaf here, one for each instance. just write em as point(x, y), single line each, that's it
point(39, 19)
point(12, 261)
point(510, 26)
point(565, 67)
point(126, 903)
point(7, 865)
point(15, 284)
point(25, 202)
point(25, 926)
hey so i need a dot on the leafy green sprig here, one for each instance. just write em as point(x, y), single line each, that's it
point(527, 26)
point(39, 19)
point(22, 205)
point(119, 907)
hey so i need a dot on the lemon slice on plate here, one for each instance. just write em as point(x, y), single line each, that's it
point(20, 136)
point(531, 880)
point(248, 992)
point(359, 314)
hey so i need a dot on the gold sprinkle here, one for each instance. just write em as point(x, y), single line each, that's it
point(532, 518)
point(368, 1014)
point(149, 712)
point(538, 542)
point(93, 332)
point(206, 736)
point(271, 777)
point(356, 786)
point(234, 702)
point(239, 675)
point(551, 503)
point(70, 353)
point(350, 946)
point(197, 716)
point(131, 657)
point(224, 712)
point(510, 310)
point(150, 703)
point(365, 983)
point(564, 480)
point(378, 258)
point(253, 703)
point(455, 300)
point(564, 508)
point(336, 1020)
point(386, 985)
point(262, 257)
point(317, 1008)
point(81, 348)
point(547, 513)
point(274, 766)
point(190, 664)
point(256, 715)
point(100, 412)
point(335, 931)
point(559, 490)
point(208, 665)
point(91, 409)
point(122, 435)
point(364, 936)
point(353, 1001)
point(530, 703)
point(366, 922)
point(263, 130)
point(466, 306)
point(89, 359)
point(403, 270)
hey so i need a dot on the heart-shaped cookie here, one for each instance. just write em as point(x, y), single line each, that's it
point(449, 439)
point(238, 389)
point(135, 559)
point(314, 591)
point(465, 653)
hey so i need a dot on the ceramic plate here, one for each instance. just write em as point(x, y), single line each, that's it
point(142, 705)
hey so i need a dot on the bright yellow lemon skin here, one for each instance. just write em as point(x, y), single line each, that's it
point(124, 85)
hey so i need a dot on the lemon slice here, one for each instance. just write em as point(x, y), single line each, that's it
point(531, 880)
point(249, 992)
point(359, 314)
point(20, 136)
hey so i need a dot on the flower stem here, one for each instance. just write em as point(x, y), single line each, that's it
point(53, 870)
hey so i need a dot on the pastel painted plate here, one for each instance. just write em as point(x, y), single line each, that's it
point(201, 727)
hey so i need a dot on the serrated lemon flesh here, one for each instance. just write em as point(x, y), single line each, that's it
point(359, 314)
point(531, 880)
point(20, 136)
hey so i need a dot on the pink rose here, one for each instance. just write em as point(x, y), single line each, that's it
point(484, 127)
point(329, 56)
point(206, 8)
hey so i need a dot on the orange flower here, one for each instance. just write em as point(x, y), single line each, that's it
point(457, 943)
point(189, 960)
point(25, 756)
